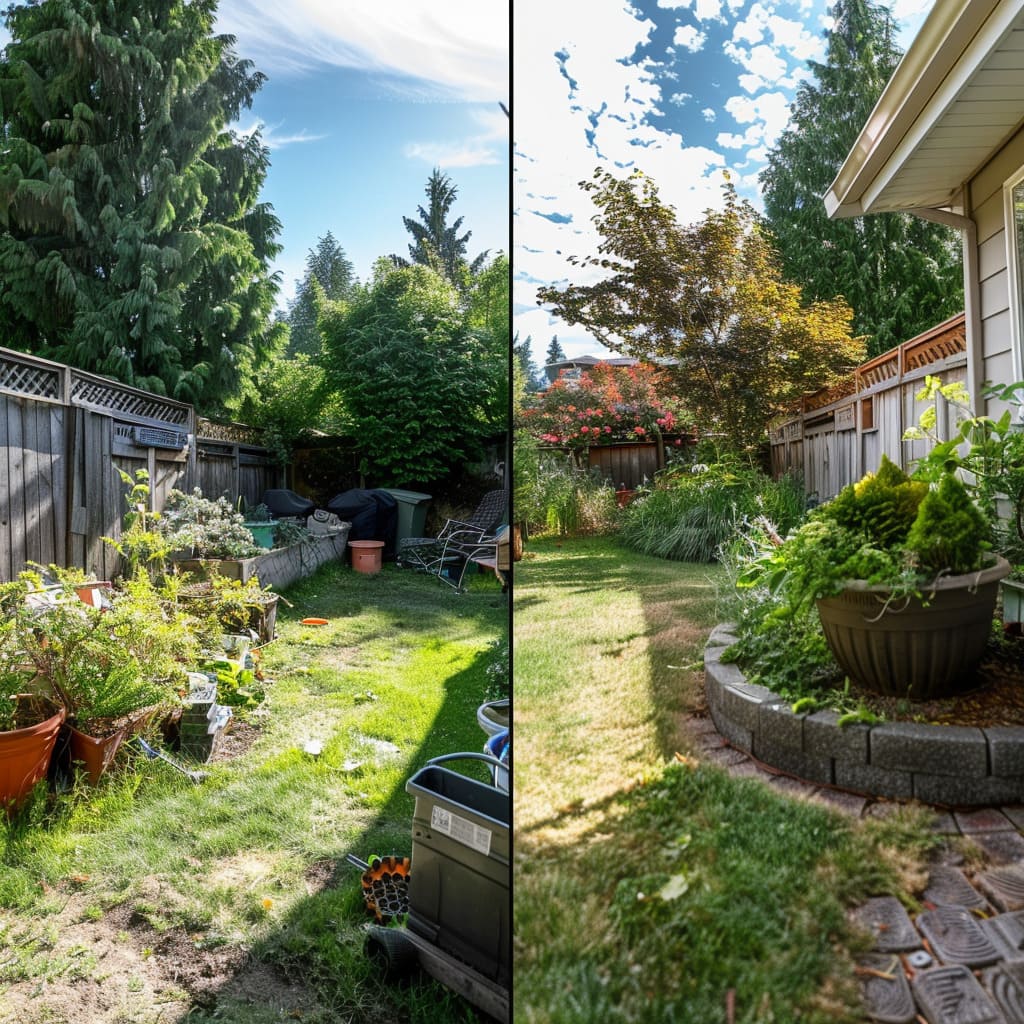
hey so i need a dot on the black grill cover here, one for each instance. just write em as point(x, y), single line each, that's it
point(285, 503)
point(373, 515)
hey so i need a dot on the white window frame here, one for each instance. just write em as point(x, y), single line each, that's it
point(1014, 272)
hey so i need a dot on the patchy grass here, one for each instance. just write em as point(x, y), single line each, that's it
point(698, 890)
point(150, 898)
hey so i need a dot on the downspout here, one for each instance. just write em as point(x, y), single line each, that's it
point(972, 294)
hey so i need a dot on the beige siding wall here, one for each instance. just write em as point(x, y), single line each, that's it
point(987, 210)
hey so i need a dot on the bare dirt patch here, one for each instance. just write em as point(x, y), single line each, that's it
point(120, 970)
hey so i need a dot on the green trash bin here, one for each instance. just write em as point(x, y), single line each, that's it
point(412, 513)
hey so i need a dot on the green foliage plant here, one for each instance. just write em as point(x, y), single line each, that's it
point(885, 529)
point(205, 528)
point(695, 509)
point(414, 377)
point(986, 452)
point(711, 298)
point(101, 664)
point(899, 273)
point(141, 544)
point(133, 240)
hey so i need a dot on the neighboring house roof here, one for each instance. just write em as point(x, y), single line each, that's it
point(585, 362)
point(956, 97)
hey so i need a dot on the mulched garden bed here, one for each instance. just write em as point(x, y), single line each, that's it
point(995, 696)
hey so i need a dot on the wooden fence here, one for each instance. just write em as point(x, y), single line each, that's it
point(840, 433)
point(629, 464)
point(63, 436)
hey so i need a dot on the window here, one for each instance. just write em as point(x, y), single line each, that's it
point(1014, 212)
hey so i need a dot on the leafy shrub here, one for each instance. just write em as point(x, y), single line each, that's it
point(690, 515)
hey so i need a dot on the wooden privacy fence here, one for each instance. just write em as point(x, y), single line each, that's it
point(629, 464)
point(64, 434)
point(841, 433)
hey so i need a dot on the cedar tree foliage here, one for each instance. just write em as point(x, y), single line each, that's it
point(900, 274)
point(132, 242)
point(708, 300)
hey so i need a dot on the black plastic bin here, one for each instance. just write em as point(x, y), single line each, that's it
point(459, 896)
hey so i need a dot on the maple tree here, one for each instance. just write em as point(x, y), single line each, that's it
point(707, 300)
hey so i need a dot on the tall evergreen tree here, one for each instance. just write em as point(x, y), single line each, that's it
point(331, 269)
point(555, 352)
point(436, 243)
point(900, 274)
point(533, 379)
point(132, 241)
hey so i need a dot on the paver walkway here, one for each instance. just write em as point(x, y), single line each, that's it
point(959, 961)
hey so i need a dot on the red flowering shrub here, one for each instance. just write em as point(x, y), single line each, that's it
point(604, 405)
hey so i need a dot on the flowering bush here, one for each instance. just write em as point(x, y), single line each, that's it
point(606, 404)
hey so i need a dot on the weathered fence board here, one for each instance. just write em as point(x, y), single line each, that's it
point(627, 465)
point(63, 436)
point(841, 433)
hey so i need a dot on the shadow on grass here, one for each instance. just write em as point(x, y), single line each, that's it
point(320, 940)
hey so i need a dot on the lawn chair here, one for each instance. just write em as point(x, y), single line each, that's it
point(447, 555)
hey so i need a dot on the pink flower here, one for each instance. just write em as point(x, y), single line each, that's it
point(678, 442)
point(639, 431)
point(607, 430)
point(584, 429)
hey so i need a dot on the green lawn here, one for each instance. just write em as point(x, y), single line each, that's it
point(650, 886)
point(231, 900)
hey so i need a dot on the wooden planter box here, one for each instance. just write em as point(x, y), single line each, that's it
point(279, 568)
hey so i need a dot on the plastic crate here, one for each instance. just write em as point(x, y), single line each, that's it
point(459, 896)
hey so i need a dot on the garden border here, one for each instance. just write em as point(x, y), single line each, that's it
point(956, 766)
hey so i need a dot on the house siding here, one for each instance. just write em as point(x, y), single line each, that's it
point(988, 212)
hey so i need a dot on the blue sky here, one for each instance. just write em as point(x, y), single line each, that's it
point(681, 89)
point(363, 100)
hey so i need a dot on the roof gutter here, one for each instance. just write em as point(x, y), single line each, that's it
point(946, 33)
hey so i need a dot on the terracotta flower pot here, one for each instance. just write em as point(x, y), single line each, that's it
point(25, 753)
point(94, 753)
point(916, 648)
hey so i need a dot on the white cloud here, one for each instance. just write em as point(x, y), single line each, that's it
point(709, 114)
point(274, 138)
point(708, 10)
point(680, 98)
point(486, 148)
point(689, 37)
point(457, 49)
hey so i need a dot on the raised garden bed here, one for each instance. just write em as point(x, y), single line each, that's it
point(278, 568)
point(952, 765)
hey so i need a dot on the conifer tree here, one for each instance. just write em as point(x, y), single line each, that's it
point(331, 269)
point(132, 239)
point(436, 243)
point(899, 274)
point(555, 352)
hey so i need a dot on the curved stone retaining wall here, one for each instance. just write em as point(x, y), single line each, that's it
point(953, 765)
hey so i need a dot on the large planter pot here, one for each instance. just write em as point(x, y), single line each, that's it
point(25, 753)
point(95, 754)
point(920, 648)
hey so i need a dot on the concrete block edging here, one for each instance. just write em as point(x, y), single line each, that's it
point(953, 766)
